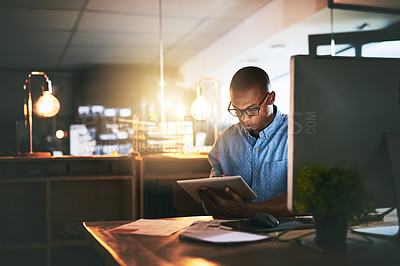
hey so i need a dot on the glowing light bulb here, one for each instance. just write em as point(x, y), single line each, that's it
point(200, 109)
point(180, 111)
point(47, 105)
point(59, 134)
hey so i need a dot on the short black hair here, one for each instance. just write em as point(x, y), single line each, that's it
point(250, 76)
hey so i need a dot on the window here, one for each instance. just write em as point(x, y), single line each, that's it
point(381, 49)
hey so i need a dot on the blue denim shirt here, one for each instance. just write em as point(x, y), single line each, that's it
point(261, 162)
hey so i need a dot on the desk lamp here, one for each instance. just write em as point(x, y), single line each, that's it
point(200, 109)
point(46, 106)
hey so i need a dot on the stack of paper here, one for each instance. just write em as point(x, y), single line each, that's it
point(156, 227)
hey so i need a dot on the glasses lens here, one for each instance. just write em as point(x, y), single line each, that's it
point(234, 112)
point(252, 111)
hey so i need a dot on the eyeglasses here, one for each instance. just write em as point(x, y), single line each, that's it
point(253, 111)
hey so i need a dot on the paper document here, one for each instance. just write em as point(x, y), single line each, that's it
point(156, 227)
point(391, 230)
point(213, 232)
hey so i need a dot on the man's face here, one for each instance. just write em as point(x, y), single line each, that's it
point(253, 97)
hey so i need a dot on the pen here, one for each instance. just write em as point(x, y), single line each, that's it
point(222, 227)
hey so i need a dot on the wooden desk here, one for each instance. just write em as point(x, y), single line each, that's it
point(123, 249)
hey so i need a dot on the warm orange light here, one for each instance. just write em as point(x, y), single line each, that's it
point(47, 105)
point(200, 109)
point(60, 134)
point(197, 262)
point(180, 111)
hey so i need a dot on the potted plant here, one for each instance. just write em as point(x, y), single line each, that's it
point(334, 196)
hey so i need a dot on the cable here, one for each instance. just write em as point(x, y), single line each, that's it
point(333, 53)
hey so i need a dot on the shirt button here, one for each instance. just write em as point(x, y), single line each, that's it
point(255, 173)
point(256, 149)
point(267, 136)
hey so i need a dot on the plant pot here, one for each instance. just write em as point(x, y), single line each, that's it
point(331, 231)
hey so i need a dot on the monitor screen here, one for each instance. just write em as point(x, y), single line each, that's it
point(340, 110)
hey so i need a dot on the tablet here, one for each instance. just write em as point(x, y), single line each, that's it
point(236, 183)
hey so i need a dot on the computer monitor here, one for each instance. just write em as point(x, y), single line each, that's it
point(342, 109)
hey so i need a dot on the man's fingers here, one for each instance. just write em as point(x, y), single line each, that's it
point(205, 196)
point(232, 194)
point(211, 194)
point(208, 202)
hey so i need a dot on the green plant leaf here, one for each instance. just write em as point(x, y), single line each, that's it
point(337, 191)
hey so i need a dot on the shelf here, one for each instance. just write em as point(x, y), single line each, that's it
point(29, 256)
point(158, 176)
point(61, 243)
point(44, 202)
point(72, 202)
point(78, 255)
point(70, 166)
point(23, 213)
point(63, 178)
point(160, 195)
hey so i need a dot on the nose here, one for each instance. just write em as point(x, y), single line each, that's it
point(244, 116)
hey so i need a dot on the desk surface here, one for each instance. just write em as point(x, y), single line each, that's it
point(125, 249)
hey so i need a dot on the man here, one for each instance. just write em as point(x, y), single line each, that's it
point(255, 148)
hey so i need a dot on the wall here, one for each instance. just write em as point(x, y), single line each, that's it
point(124, 86)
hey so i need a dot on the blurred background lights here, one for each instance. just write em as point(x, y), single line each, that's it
point(97, 109)
point(60, 134)
point(200, 109)
point(125, 112)
point(151, 108)
point(83, 110)
point(110, 112)
point(180, 111)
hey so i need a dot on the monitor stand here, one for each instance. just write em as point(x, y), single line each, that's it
point(392, 231)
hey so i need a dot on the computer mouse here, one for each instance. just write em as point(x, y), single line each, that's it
point(265, 219)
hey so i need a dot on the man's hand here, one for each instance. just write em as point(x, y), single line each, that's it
point(228, 204)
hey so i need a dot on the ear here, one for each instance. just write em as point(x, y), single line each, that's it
point(271, 97)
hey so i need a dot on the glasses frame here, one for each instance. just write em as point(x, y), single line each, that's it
point(233, 111)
